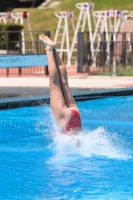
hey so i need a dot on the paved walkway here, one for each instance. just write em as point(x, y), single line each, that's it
point(10, 87)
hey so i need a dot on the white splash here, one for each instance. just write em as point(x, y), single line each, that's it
point(91, 143)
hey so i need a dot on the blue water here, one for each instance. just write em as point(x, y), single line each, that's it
point(39, 163)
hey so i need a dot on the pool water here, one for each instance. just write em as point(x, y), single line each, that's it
point(38, 163)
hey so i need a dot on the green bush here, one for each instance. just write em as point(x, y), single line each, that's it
point(10, 34)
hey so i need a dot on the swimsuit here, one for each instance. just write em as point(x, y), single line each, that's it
point(75, 121)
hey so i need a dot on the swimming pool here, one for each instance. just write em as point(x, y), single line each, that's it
point(38, 163)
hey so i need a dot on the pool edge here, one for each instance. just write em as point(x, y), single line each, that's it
point(16, 102)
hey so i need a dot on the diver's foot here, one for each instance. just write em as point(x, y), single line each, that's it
point(47, 42)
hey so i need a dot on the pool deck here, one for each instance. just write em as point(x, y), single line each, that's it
point(25, 91)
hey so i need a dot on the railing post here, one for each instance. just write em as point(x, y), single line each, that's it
point(88, 57)
point(131, 49)
point(36, 42)
point(124, 49)
point(80, 52)
point(20, 43)
point(7, 42)
point(7, 48)
point(7, 72)
point(111, 53)
point(46, 67)
point(103, 44)
point(114, 67)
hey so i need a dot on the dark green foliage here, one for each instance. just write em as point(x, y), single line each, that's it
point(10, 34)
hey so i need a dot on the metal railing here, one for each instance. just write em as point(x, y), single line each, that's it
point(21, 42)
point(112, 57)
point(109, 54)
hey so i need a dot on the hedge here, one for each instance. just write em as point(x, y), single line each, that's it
point(10, 34)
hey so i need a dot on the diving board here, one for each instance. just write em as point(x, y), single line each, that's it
point(12, 61)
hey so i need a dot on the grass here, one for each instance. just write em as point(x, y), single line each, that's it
point(44, 19)
point(121, 71)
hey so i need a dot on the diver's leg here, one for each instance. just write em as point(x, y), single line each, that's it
point(57, 102)
point(69, 100)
